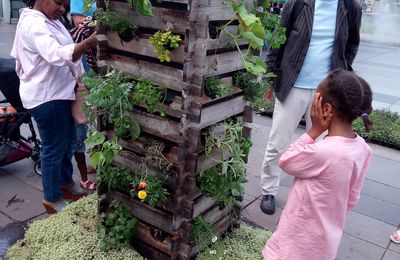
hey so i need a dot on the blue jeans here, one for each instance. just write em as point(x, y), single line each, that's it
point(55, 125)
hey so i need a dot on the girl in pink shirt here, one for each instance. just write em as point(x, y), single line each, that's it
point(329, 173)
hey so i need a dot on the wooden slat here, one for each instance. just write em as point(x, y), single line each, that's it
point(161, 19)
point(143, 46)
point(157, 218)
point(162, 75)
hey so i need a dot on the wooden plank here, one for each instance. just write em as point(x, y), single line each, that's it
point(215, 214)
point(162, 17)
point(160, 74)
point(159, 126)
point(143, 46)
point(155, 217)
point(213, 114)
point(218, 64)
point(202, 205)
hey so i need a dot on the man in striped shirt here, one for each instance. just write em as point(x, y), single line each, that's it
point(322, 35)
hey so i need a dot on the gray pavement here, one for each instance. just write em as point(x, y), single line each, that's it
point(368, 226)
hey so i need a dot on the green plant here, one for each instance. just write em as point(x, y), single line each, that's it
point(103, 151)
point(386, 128)
point(149, 94)
point(111, 97)
point(275, 34)
point(203, 232)
point(144, 7)
point(115, 177)
point(223, 181)
point(164, 42)
point(254, 88)
point(115, 22)
point(116, 229)
point(215, 87)
point(155, 192)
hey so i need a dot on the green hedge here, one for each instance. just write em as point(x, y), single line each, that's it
point(386, 129)
point(72, 234)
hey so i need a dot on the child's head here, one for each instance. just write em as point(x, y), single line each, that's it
point(349, 95)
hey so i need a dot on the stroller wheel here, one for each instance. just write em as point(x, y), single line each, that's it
point(37, 168)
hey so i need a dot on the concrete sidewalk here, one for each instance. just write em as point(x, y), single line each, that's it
point(367, 230)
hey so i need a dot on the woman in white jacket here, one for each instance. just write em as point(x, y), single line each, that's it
point(45, 55)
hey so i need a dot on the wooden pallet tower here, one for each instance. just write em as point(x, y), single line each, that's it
point(190, 113)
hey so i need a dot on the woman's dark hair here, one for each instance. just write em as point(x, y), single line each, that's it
point(350, 95)
point(30, 3)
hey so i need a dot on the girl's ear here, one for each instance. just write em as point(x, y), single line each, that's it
point(327, 109)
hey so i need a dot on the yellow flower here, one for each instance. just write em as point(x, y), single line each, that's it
point(142, 194)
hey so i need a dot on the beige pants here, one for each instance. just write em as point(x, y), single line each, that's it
point(286, 118)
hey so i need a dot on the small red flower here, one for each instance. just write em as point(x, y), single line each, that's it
point(142, 185)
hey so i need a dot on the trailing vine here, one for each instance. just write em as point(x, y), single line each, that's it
point(254, 30)
point(223, 181)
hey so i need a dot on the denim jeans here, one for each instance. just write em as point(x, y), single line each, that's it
point(55, 125)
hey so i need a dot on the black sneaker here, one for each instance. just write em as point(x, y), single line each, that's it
point(267, 204)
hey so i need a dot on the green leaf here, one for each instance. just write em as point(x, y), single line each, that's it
point(253, 40)
point(247, 17)
point(95, 139)
point(95, 159)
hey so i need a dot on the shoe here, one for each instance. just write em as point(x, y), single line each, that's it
point(54, 207)
point(267, 204)
point(72, 192)
point(88, 185)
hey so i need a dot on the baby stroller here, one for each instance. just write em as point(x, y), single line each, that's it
point(13, 146)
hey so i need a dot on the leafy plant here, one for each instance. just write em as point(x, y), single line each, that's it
point(149, 94)
point(117, 228)
point(164, 42)
point(144, 7)
point(115, 22)
point(103, 151)
point(154, 189)
point(202, 231)
point(223, 181)
point(215, 87)
point(110, 97)
point(274, 33)
point(115, 177)
point(386, 128)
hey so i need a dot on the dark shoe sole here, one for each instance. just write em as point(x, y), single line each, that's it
point(67, 195)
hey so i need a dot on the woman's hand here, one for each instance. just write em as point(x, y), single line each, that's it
point(81, 47)
point(320, 121)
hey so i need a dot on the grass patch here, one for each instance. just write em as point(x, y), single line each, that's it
point(386, 129)
point(72, 234)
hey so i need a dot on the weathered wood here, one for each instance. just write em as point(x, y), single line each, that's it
point(155, 217)
point(161, 19)
point(143, 46)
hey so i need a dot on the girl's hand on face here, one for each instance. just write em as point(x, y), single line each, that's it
point(320, 122)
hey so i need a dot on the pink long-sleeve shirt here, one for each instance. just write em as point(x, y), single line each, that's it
point(43, 51)
point(329, 177)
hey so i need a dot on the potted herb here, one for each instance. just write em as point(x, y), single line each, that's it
point(126, 30)
point(164, 42)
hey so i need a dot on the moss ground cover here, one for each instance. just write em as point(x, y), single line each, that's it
point(72, 234)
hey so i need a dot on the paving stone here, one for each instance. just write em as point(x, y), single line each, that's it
point(390, 255)
point(252, 186)
point(248, 199)
point(23, 170)
point(254, 214)
point(384, 171)
point(382, 192)
point(8, 236)
point(378, 209)
point(4, 220)
point(287, 181)
point(281, 198)
point(393, 246)
point(385, 152)
point(352, 248)
point(368, 229)
point(19, 200)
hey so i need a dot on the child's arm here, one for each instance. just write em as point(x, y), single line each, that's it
point(304, 158)
point(355, 191)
